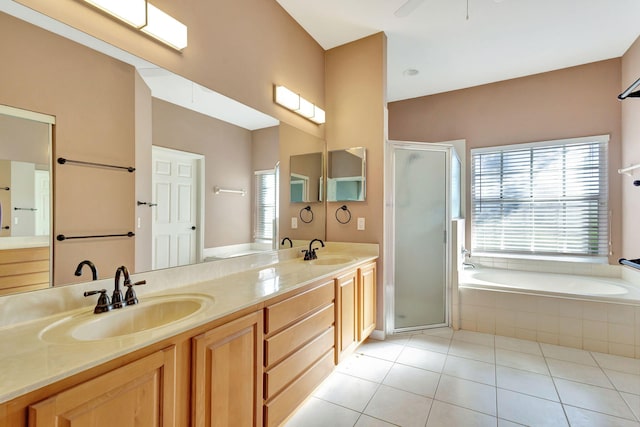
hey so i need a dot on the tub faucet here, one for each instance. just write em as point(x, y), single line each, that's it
point(466, 253)
point(284, 240)
point(311, 253)
point(94, 272)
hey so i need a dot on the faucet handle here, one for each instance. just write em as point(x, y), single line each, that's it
point(103, 304)
point(130, 297)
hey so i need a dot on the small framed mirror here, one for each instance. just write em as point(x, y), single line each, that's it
point(306, 177)
point(346, 175)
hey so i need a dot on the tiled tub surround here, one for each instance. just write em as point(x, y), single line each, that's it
point(28, 362)
point(591, 321)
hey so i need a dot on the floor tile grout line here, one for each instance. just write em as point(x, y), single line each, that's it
point(555, 386)
point(450, 340)
point(495, 379)
point(602, 413)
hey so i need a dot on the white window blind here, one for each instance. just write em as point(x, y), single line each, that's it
point(265, 205)
point(545, 198)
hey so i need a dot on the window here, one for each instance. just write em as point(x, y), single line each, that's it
point(265, 203)
point(547, 198)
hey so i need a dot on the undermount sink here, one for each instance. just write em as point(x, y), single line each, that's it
point(151, 313)
point(332, 260)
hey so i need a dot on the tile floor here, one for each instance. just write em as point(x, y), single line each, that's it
point(442, 378)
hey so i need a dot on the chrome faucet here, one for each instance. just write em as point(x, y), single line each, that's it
point(284, 240)
point(94, 272)
point(311, 253)
point(466, 253)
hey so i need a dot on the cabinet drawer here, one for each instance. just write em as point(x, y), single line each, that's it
point(288, 311)
point(286, 402)
point(286, 371)
point(287, 341)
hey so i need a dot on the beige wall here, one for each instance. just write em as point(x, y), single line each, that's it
point(239, 48)
point(24, 140)
point(227, 151)
point(94, 122)
point(572, 102)
point(144, 140)
point(265, 148)
point(630, 155)
point(356, 90)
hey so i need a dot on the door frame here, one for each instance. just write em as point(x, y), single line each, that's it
point(200, 195)
point(389, 234)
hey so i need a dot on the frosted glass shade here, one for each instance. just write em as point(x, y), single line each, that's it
point(133, 12)
point(165, 28)
point(287, 98)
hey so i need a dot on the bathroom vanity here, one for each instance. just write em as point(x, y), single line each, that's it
point(255, 345)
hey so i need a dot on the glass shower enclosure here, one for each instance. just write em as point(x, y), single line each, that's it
point(421, 178)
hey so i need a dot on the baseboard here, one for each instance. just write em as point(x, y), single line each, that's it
point(377, 335)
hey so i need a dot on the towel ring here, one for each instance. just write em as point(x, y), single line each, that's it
point(343, 208)
point(308, 209)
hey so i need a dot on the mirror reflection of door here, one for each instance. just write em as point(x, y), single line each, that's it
point(176, 220)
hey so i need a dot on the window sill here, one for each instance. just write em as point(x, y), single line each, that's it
point(575, 259)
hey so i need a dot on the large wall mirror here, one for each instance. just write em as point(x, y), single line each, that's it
point(118, 109)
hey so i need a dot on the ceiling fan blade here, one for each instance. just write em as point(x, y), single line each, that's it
point(407, 8)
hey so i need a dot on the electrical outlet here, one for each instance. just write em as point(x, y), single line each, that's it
point(360, 223)
point(294, 222)
point(139, 222)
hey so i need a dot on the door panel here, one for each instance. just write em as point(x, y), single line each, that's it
point(420, 224)
point(176, 189)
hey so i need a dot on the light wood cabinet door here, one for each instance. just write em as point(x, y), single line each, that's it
point(366, 301)
point(140, 394)
point(346, 315)
point(227, 374)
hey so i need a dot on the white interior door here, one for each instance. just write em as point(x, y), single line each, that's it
point(176, 182)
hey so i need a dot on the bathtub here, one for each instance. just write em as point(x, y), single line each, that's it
point(555, 284)
point(593, 313)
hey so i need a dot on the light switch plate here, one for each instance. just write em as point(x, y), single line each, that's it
point(294, 222)
point(360, 223)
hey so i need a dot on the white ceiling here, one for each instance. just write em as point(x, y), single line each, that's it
point(502, 39)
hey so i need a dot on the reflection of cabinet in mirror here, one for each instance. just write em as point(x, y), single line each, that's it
point(25, 202)
point(306, 177)
point(346, 175)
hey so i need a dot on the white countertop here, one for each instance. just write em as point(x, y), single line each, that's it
point(22, 242)
point(27, 362)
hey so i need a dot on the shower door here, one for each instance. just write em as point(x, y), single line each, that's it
point(418, 189)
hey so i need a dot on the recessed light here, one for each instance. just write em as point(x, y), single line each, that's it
point(410, 72)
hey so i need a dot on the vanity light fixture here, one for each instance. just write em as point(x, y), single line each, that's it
point(144, 16)
point(133, 12)
point(294, 102)
point(165, 28)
